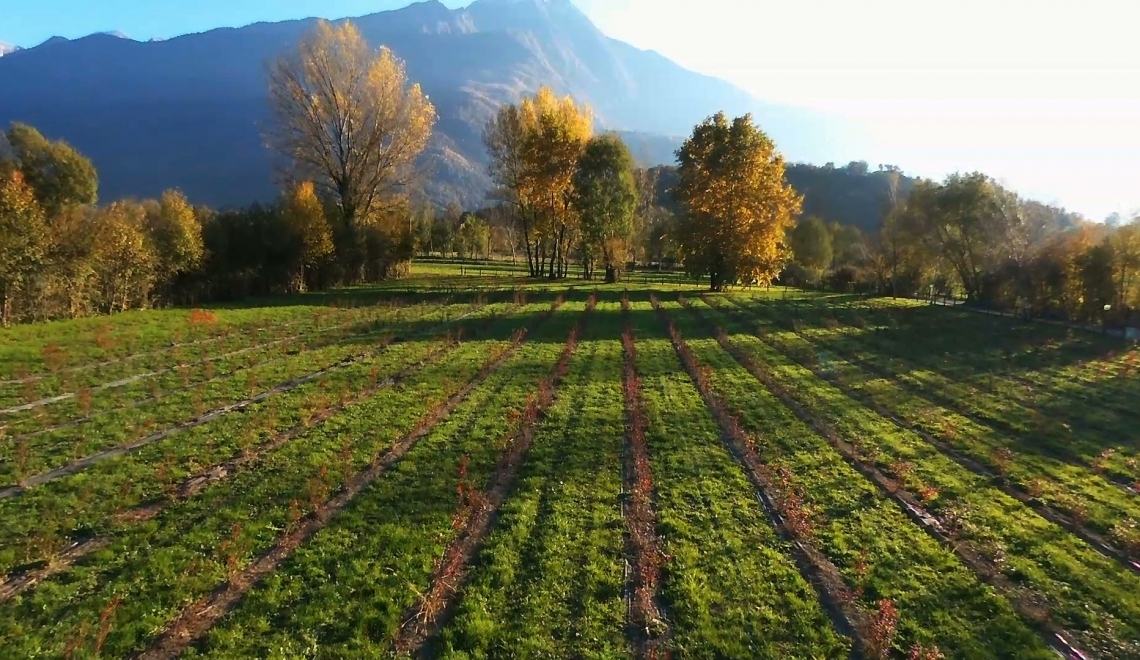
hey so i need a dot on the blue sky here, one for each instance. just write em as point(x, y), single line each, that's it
point(1043, 95)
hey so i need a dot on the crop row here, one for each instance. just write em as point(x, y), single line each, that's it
point(1070, 585)
point(903, 581)
point(728, 584)
point(1049, 400)
point(479, 509)
point(153, 570)
point(1043, 360)
point(46, 519)
point(648, 623)
point(135, 388)
point(782, 506)
point(1095, 508)
point(548, 581)
point(33, 456)
point(384, 548)
point(116, 347)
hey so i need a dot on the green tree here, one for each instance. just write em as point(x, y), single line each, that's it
point(605, 196)
point(812, 244)
point(59, 175)
point(23, 240)
point(474, 237)
point(970, 221)
point(846, 244)
point(737, 204)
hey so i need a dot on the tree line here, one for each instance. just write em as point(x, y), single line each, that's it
point(348, 128)
point(970, 238)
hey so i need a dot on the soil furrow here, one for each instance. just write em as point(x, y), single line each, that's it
point(649, 625)
point(21, 582)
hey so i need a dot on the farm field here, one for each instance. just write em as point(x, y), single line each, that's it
point(467, 464)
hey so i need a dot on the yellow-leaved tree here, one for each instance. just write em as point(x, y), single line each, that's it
point(347, 118)
point(176, 235)
point(124, 257)
point(311, 237)
point(23, 240)
point(737, 203)
point(534, 148)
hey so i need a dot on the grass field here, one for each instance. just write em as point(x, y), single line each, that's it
point(469, 464)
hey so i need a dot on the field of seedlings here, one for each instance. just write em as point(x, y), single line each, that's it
point(471, 465)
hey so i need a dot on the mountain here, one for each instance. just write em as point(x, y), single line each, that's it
point(188, 112)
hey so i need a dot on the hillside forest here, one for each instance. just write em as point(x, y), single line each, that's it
point(566, 203)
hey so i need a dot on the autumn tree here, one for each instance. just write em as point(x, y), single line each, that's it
point(605, 198)
point(1125, 243)
point(176, 236)
point(534, 148)
point(346, 118)
point(59, 175)
point(308, 232)
point(125, 261)
point(69, 280)
point(737, 204)
point(23, 240)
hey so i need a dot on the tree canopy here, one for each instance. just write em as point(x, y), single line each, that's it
point(737, 203)
point(346, 118)
point(59, 175)
point(605, 198)
point(534, 148)
point(811, 242)
point(23, 239)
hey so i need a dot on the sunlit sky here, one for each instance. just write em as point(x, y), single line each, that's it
point(1041, 94)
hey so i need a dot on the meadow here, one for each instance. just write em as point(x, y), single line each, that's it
point(470, 464)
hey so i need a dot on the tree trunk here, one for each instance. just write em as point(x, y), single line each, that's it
point(611, 274)
point(550, 273)
point(526, 240)
point(5, 305)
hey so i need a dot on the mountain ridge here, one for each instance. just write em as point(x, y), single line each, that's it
point(189, 111)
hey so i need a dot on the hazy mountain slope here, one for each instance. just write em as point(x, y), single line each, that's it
point(186, 112)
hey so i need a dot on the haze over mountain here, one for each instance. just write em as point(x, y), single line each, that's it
point(189, 112)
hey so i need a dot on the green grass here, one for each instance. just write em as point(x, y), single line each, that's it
point(351, 584)
point(548, 579)
point(877, 548)
point(730, 588)
point(181, 561)
point(1091, 595)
